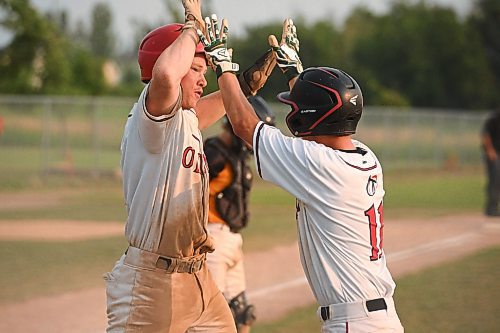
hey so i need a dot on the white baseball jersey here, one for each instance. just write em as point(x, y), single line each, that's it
point(339, 213)
point(165, 178)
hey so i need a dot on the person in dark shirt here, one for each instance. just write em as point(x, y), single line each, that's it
point(491, 148)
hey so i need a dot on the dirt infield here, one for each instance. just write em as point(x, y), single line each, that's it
point(276, 283)
point(58, 230)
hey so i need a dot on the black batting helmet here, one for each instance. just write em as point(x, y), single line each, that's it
point(324, 101)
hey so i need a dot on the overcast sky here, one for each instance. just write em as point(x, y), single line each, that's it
point(239, 12)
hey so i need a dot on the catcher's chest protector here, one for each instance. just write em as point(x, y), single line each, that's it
point(232, 202)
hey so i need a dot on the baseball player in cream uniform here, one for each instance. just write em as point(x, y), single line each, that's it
point(337, 181)
point(161, 283)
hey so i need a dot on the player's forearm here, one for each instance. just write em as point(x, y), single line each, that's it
point(209, 109)
point(238, 109)
point(174, 63)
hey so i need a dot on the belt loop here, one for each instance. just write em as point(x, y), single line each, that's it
point(192, 267)
point(325, 312)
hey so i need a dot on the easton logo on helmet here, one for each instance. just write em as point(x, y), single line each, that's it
point(353, 100)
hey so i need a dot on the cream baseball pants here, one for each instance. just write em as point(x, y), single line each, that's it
point(145, 296)
point(226, 262)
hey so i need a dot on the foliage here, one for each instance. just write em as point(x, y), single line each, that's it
point(41, 59)
point(425, 53)
point(416, 54)
point(34, 61)
point(102, 39)
point(87, 71)
point(485, 21)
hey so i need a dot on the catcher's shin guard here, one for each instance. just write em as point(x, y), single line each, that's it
point(243, 313)
point(254, 77)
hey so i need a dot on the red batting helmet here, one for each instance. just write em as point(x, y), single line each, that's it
point(153, 44)
point(324, 101)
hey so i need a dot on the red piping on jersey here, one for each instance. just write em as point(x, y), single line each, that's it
point(196, 138)
point(359, 168)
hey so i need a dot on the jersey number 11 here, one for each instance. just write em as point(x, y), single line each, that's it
point(376, 224)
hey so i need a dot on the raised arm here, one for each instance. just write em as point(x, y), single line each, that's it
point(239, 111)
point(287, 52)
point(174, 63)
point(211, 108)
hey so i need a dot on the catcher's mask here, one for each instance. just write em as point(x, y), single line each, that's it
point(324, 101)
point(154, 43)
point(262, 110)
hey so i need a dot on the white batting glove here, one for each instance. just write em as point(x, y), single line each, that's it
point(219, 57)
point(287, 52)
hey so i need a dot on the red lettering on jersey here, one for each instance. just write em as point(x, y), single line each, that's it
point(188, 160)
point(188, 157)
point(199, 163)
point(376, 222)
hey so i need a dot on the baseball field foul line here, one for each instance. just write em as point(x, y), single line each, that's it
point(432, 246)
point(277, 287)
point(396, 256)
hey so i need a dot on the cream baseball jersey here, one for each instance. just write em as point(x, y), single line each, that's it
point(165, 178)
point(339, 213)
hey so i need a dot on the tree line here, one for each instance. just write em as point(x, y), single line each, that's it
point(415, 54)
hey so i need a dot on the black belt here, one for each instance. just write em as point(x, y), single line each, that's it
point(153, 260)
point(371, 305)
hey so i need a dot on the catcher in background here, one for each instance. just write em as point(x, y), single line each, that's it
point(230, 184)
point(337, 182)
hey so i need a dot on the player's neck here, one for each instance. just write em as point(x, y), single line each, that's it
point(334, 142)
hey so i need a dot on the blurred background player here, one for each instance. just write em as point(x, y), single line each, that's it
point(491, 147)
point(230, 184)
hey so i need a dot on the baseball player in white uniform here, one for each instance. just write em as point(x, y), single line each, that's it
point(337, 181)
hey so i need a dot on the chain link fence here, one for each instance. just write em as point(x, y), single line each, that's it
point(80, 137)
